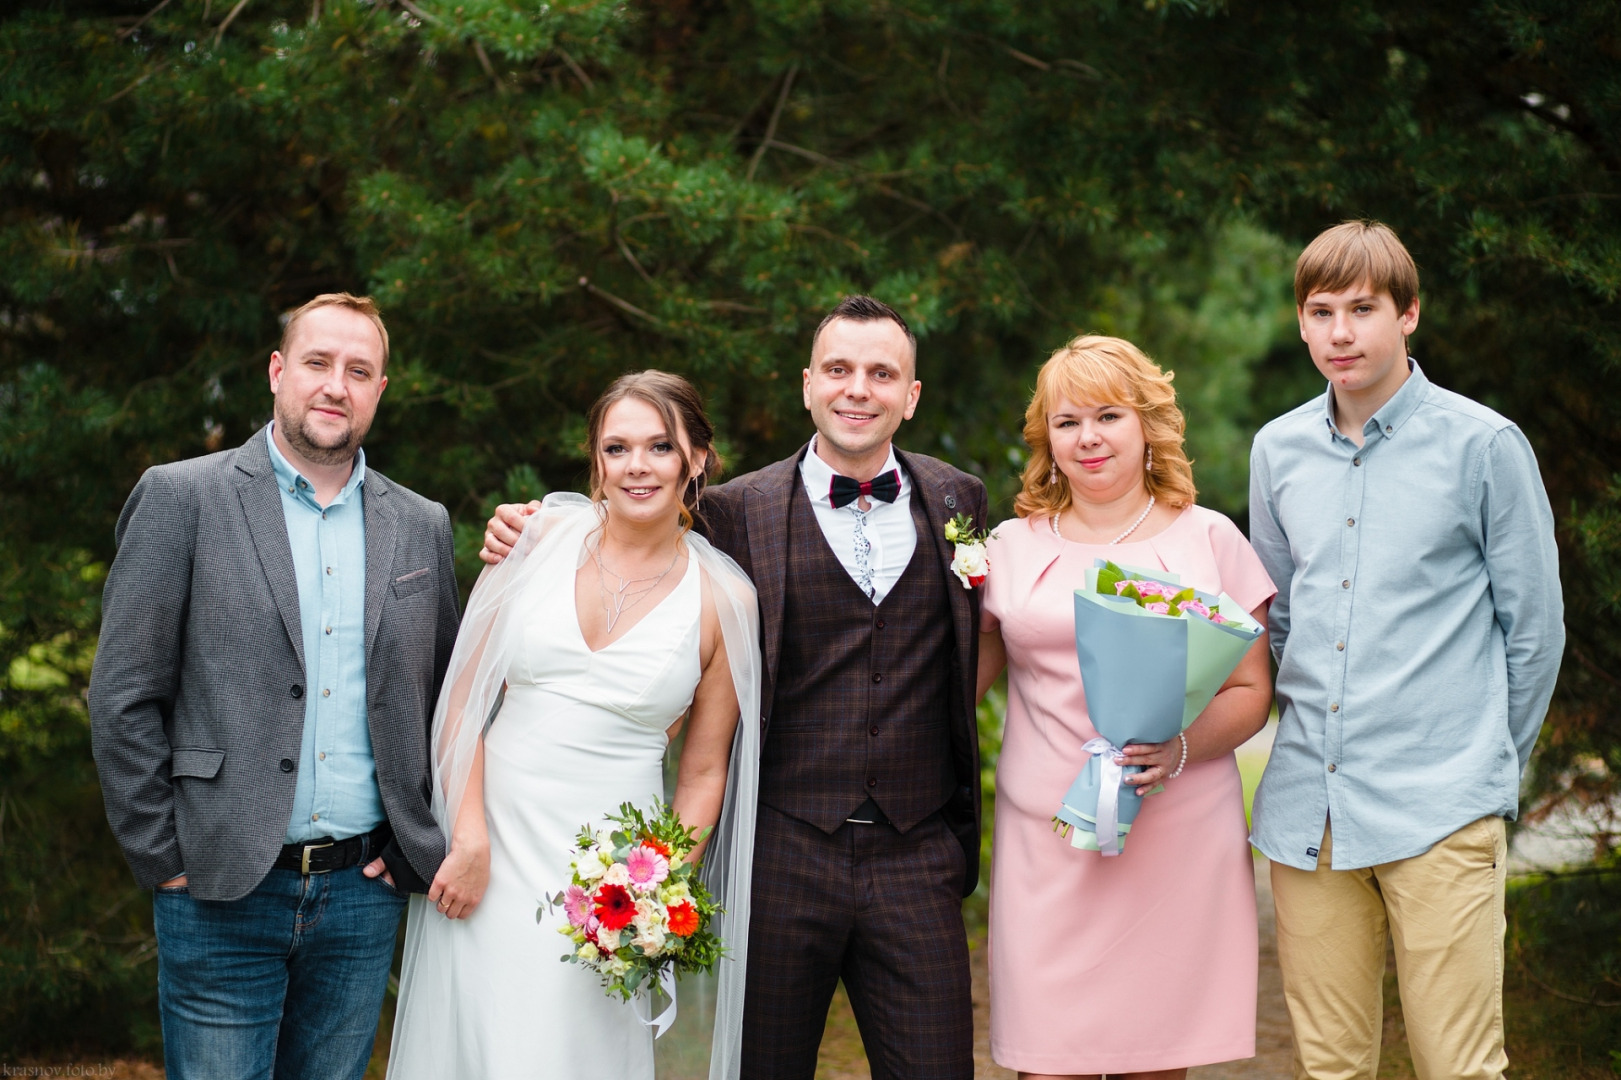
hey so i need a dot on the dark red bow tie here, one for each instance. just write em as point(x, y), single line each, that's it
point(883, 487)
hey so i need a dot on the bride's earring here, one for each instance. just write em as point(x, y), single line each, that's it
point(1052, 475)
point(1148, 464)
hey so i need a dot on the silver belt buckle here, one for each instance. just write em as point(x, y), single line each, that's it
point(304, 863)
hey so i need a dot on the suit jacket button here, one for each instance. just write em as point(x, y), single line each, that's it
point(286, 764)
point(872, 781)
point(876, 677)
point(298, 691)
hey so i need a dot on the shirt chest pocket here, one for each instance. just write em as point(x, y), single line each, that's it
point(412, 582)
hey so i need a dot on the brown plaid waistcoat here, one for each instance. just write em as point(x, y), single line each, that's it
point(861, 709)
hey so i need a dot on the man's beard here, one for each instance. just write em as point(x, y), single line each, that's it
point(303, 440)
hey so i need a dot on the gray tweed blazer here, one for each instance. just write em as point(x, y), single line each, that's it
point(196, 697)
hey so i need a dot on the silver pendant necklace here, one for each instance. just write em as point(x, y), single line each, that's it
point(615, 602)
point(1142, 517)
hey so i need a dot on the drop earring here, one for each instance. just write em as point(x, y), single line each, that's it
point(1052, 475)
point(1148, 463)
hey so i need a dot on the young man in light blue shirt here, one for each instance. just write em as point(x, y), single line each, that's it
point(1418, 632)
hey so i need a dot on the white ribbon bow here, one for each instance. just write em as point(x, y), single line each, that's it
point(1108, 816)
point(666, 1019)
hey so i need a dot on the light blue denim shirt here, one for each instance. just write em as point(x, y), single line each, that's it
point(337, 792)
point(1418, 625)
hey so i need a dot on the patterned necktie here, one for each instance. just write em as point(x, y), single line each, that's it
point(863, 552)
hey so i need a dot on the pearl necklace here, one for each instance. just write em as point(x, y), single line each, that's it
point(1142, 517)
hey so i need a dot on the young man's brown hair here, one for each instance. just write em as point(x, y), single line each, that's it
point(365, 305)
point(1353, 252)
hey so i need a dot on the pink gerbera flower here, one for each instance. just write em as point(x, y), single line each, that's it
point(646, 867)
point(577, 905)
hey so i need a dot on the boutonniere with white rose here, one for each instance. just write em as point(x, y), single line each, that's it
point(969, 561)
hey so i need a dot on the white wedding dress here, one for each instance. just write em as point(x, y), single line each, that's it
point(578, 733)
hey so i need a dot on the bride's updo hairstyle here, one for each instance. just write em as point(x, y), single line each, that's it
point(678, 404)
point(1097, 370)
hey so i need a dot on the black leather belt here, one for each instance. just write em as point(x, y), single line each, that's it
point(324, 855)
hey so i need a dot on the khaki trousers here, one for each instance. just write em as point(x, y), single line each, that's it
point(1444, 913)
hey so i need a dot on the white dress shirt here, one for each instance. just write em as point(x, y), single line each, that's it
point(887, 528)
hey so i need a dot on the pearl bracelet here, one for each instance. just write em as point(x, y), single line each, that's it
point(1178, 771)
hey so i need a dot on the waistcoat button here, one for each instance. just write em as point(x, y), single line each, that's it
point(876, 677)
point(286, 764)
point(880, 624)
point(872, 781)
point(298, 691)
point(873, 730)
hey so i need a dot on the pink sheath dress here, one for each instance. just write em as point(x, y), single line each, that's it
point(1178, 905)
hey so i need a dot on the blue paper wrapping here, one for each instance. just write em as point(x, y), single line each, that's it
point(1146, 677)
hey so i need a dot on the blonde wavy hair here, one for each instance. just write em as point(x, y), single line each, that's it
point(1097, 370)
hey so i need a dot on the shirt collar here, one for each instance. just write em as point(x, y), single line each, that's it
point(293, 482)
point(817, 475)
point(1390, 416)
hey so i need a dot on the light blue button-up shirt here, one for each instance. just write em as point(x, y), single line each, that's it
point(337, 792)
point(1418, 624)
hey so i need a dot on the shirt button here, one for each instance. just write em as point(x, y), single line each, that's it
point(872, 781)
point(1350, 522)
point(1340, 645)
point(1389, 429)
point(292, 491)
point(329, 629)
point(1356, 461)
point(876, 677)
point(315, 817)
point(297, 691)
point(329, 571)
point(873, 730)
point(1346, 584)
point(323, 515)
point(1334, 707)
point(323, 755)
point(1333, 768)
point(326, 693)
point(286, 764)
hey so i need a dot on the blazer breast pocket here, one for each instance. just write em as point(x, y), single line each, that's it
point(413, 581)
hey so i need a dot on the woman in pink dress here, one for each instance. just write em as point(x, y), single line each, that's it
point(1143, 964)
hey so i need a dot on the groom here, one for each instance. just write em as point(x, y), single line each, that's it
point(868, 836)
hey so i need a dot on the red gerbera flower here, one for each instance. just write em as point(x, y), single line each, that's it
point(683, 921)
point(615, 907)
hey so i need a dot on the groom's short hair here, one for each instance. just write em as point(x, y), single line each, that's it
point(859, 308)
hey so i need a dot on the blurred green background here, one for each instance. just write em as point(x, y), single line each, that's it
point(545, 195)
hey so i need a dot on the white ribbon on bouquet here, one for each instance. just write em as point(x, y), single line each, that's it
point(665, 1020)
point(1108, 816)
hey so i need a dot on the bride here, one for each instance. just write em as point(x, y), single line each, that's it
point(610, 631)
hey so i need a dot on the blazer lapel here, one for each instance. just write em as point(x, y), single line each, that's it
point(940, 503)
point(767, 506)
point(381, 534)
point(267, 524)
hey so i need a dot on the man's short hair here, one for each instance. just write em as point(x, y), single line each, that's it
point(1354, 252)
point(365, 305)
point(858, 308)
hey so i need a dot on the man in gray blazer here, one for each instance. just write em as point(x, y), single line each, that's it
point(275, 629)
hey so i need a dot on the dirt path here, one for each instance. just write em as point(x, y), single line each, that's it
point(842, 1057)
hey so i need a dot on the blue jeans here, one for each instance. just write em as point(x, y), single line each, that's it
point(285, 983)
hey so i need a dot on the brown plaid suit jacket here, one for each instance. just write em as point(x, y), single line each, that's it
point(748, 518)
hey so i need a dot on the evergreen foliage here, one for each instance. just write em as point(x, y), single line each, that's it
point(544, 195)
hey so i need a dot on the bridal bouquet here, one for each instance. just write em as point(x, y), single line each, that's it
point(1152, 654)
point(637, 913)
